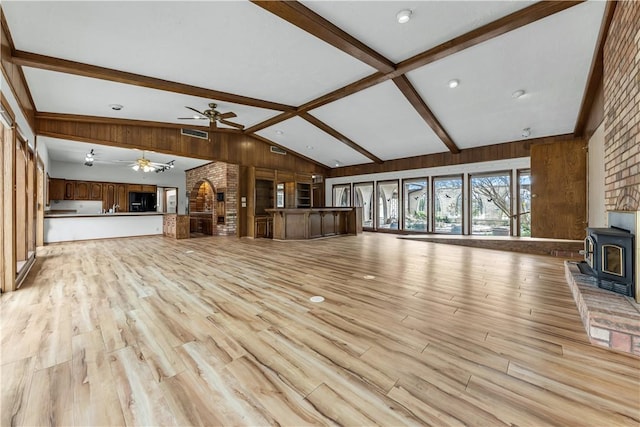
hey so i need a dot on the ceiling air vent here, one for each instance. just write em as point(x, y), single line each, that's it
point(278, 150)
point(195, 133)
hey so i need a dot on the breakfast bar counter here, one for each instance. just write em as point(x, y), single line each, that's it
point(313, 223)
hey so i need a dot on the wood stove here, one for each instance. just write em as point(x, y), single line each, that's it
point(609, 255)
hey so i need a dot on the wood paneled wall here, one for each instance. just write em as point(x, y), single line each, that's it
point(224, 146)
point(510, 150)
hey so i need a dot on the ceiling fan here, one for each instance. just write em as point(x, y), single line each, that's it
point(214, 116)
point(146, 165)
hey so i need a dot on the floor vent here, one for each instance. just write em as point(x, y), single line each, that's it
point(195, 133)
point(278, 150)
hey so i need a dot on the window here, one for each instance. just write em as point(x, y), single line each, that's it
point(415, 204)
point(342, 195)
point(447, 204)
point(388, 205)
point(524, 202)
point(491, 204)
point(363, 197)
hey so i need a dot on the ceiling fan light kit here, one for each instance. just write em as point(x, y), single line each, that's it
point(214, 116)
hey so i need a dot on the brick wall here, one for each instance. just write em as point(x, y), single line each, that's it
point(622, 108)
point(221, 177)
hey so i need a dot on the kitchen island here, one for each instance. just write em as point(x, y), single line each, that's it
point(71, 227)
point(313, 223)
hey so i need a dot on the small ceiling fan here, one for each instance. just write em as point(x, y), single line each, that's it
point(213, 116)
point(145, 165)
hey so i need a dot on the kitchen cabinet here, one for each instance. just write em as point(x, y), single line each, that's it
point(108, 196)
point(69, 190)
point(95, 190)
point(81, 190)
point(149, 188)
point(121, 197)
point(56, 189)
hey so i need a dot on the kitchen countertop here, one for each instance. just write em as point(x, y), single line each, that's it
point(105, 215)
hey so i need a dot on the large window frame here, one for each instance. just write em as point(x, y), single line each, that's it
point(523, 212)
point(493, 200)
point(343, 199)
point(420, 203)
point(436, 224)
point(388, 205)
point(368, 213)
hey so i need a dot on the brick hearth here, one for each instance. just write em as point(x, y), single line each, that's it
point(611, 320)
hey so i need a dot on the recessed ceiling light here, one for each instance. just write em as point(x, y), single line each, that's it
point(310, 147)
point(526, 132)
point(279, 132)
point(404, 16)
point(453, 83)
point(116, 107)
point(518, 93)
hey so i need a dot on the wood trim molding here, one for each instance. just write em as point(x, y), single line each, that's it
point(595, 73)
point(304, 18)
point(49, 63)
point(407, 89)
point(508, 150)
point(340, 137)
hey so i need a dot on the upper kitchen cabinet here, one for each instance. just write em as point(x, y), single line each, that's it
point(56, 189)
point(95, 190)
point(82, 190)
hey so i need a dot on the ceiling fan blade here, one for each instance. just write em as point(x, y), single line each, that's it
point(199, 112)
point(193, 118)
point(228, 123)
point(228, 115)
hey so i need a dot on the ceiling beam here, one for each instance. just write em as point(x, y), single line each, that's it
point(34, 60)
point(270, 122)
point(595, 73)
point(511, 22)
point(407, 89)
point(494, 29)
point(304, 18)
point(340, 137)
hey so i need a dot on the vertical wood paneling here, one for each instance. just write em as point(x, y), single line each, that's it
point(559, 190)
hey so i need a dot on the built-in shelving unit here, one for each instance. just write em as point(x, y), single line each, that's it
point(303, 195)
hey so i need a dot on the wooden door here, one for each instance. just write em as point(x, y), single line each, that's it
point(559, 190)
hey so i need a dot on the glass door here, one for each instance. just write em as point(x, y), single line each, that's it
point(524, 202)
point(491, 204)
point(342, 195)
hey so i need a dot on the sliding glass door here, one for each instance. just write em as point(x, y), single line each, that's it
point(388, 205)
point(448, 204)
point(415, 204)
point(363, 197)
point(491, 204)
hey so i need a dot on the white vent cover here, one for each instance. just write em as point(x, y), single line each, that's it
point(277, 150)
point(195, 133)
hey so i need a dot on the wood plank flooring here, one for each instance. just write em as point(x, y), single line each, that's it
point(220, 331)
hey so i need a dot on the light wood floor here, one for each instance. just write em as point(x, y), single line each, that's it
point(220, 331)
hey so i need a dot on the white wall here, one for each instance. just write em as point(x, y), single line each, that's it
point(124, 174)
point(595, 180)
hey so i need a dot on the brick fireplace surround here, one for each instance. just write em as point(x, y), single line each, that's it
point(610, 319)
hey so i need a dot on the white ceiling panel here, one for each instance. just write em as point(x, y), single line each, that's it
point(432, 22)
point(381, 120)
point(549, 59)
point(71, 94)
point(302, 137)
point(230, 46)
point(61, 150)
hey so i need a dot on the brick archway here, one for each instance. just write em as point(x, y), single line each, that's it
point(202, 207)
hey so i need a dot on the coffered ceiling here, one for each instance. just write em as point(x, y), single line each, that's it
point(355, 85)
